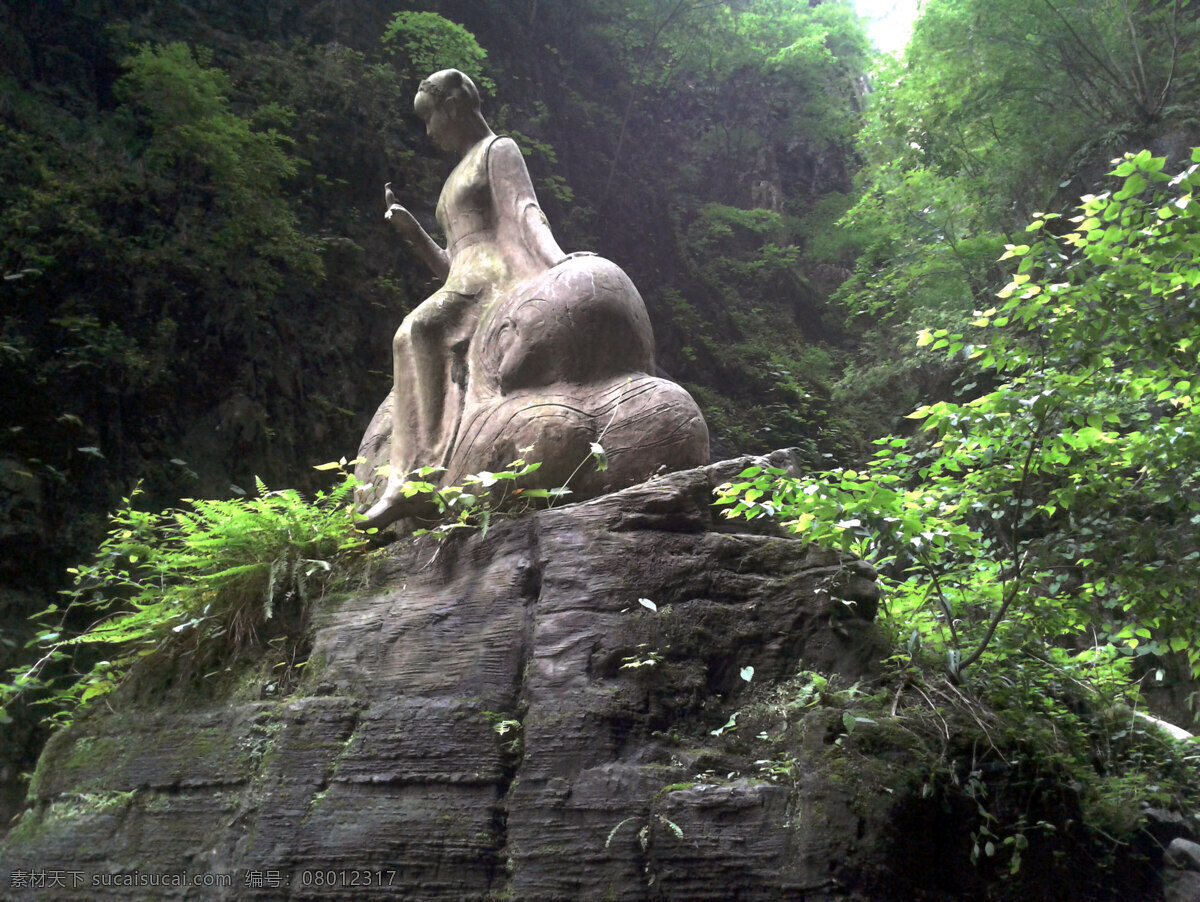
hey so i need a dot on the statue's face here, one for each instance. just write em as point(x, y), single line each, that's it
point(439, 123)
point(438, 127)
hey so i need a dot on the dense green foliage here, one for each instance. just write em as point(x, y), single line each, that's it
point(1037, 542)
point(1052, 515)
point(214, 236)
point(999, 108)
point(768, 91)
point(194, 590)
point(143, 250)
point(426, 43)
point(1049, 494)
point(995, 106)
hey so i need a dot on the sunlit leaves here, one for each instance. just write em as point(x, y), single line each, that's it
point(426, 42)
point(1065, 497)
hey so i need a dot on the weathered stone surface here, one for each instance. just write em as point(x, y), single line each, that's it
point(606, 782)
point(1181, 876)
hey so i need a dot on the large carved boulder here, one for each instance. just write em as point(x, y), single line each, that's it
point(563, 361)
point(534, 714)
point(566, 360)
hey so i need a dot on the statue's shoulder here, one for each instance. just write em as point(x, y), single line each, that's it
point(502, 146)
point(505, 165)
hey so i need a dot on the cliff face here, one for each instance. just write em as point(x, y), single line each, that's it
point(629, 698)
point(472, 728)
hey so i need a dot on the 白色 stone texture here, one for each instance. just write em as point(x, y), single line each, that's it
point(470, 731)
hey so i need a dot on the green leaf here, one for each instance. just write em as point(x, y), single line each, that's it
point(599, 455)
point(1133, 186)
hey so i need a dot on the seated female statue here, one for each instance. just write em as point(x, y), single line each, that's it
point(523, 344)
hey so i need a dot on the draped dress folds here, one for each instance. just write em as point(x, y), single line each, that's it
point(526, 346)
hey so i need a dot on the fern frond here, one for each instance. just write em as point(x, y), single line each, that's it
point(238, 571)
point(195, 582)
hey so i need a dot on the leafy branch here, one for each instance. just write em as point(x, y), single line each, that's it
point(1064, 500)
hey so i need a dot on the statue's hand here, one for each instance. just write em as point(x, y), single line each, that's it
point(410, 230)
point(403, 220)
point(575, 254)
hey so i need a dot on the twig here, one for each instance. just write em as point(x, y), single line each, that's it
point(970, 707)
point(933, 708)
point(599, 438)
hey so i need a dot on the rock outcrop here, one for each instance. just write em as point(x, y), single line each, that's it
point(473, 729)
point(628, 698)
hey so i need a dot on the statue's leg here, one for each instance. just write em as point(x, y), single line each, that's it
point(435, 341)
point(427, 354)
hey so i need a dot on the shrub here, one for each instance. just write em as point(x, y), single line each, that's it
point(212, 583)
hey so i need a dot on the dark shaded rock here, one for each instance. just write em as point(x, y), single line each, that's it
point(1165, 826)
point(1183, 854)
point(470, 732)
point(1181, 886)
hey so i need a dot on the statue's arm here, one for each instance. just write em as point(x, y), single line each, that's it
point(427, 249)
point(517, 203)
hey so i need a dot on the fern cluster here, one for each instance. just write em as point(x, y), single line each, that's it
point(200, 585)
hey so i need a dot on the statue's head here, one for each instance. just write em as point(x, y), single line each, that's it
point(445, 99)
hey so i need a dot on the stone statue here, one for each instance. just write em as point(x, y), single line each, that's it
point(523, 345)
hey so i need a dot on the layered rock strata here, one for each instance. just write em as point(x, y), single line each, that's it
point(494, 717)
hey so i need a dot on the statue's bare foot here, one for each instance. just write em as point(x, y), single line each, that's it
point(395, 505)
